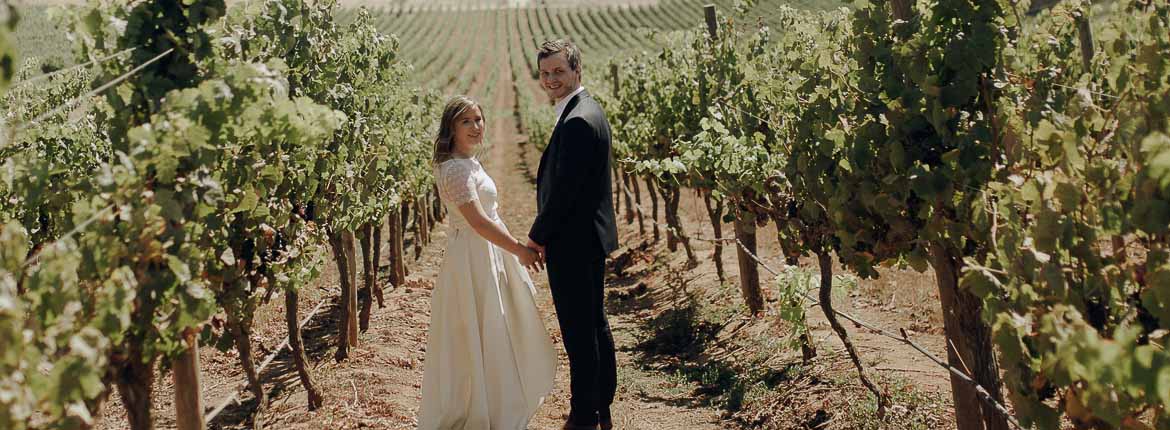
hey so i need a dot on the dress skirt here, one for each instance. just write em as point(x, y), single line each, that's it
point(489, 361)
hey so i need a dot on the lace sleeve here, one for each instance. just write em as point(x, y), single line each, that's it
point(456, 182)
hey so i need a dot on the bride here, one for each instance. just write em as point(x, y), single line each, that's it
point(489, 362)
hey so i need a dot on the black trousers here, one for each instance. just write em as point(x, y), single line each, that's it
point(576, 279)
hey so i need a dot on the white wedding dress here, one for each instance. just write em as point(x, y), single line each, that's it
point(489, 361)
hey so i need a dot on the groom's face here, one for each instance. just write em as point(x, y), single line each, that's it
point(557, 78)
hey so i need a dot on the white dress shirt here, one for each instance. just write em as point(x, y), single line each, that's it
point(563, 103)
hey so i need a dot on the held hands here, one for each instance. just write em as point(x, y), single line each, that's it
point(532, 256)
point(529, 258)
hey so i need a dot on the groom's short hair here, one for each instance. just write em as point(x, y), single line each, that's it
point(552, 47)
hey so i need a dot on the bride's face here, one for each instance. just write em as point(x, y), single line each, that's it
point(469, 128)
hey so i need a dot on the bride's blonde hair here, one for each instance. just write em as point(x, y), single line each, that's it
point(445, 141)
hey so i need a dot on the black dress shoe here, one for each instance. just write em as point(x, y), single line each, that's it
point(569, 425)
point(606, 420)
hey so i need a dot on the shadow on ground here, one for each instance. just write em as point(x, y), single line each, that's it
point(684, 335)
point(280, 376)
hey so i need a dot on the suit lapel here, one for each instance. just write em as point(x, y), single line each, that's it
point(568, 109)
point(552, 140)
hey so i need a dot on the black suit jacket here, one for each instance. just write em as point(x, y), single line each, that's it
point(573, 190)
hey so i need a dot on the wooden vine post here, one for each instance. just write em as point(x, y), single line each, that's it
point(397, 251)
point(638, 202)
point(376, 242)
point(1085, 39)
point(749, 272)
point(347, 327)
point(613, 74)
point(712, 21)
point(351, 303)
point(188, 396)
point(617, 189)
point(745, 221)
point(404, 222)
point(650, 189)
point(419, 227)
point(621, 175)
point(369, 276)
point(617, 175)
point(629, 201)
point(436, 204)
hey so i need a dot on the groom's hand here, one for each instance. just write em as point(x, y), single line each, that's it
point(539, 251)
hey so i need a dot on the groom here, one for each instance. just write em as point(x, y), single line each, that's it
point(574, 230)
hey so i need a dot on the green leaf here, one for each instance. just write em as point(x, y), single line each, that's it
point(897, 155)
point(978, 283)
point(1152, 216)
point(836, 136)
point(1156, 296)
point(918, 259)
point(1069, 196)
point(1030, 191)
point(179, 268)
point(1163, 385)
point(1156, 149)
point(1072, 153)
point(228, 257)
point(247, 202)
